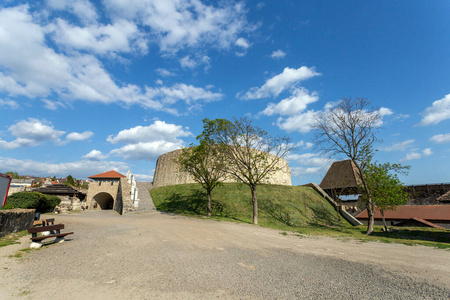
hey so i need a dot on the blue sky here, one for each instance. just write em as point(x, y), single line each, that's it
point(90, 86)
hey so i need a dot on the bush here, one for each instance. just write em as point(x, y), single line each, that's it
point(42, 203)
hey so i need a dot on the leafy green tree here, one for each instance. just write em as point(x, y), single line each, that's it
point(252, 155)
point(14, 175)
point(206, 165)
point(70, 181)
point(386, 189)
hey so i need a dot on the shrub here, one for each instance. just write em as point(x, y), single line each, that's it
point(40, 202)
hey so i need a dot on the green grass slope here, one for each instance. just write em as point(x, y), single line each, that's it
point(280, 207)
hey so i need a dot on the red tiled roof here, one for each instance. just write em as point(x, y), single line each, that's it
point(425, 212)
point(109, 174)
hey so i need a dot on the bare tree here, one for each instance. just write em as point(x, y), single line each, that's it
point(349, 130)
point(252, 154)
point(206, 165)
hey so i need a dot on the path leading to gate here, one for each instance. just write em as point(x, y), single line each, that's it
point(145, 199)
point(153, 255)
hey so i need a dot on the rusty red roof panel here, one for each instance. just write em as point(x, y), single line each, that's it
point(109, 174)
point(425, 212)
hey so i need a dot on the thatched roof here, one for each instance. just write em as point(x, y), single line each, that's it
point(58, 189)
point(342, 174)
point(445, 197)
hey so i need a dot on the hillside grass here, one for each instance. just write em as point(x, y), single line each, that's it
point(295, 210)
point(280, 207)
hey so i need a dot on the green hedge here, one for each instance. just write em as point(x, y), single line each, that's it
point(42, 203)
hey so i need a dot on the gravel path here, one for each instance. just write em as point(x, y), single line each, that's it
point(160, 256)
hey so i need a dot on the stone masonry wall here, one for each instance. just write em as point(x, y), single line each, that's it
point(167, 172)
point(15, 220)
point(95, 187)
point(126, 194)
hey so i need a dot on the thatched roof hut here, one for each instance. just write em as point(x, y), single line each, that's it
point(342, 178)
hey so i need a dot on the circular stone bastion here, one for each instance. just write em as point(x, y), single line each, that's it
point(167, 172)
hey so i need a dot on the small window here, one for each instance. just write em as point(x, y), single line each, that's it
point(112, 182)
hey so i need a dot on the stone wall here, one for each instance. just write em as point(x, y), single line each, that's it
point(15, 220)
point(126, 194)
point(17, 189)
point(103, 186)
point(167, 172)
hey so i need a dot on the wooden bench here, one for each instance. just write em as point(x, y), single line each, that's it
point(45, 222)
point(54, 229)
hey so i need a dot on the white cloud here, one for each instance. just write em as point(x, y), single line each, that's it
point(441, 138)
point(121, 36)
point(31, 132)
point(427, 152)
point(148, 142)
point(75, 136)
point(83, 9)
point(437, 112)
point(301, 122)
point(9, 103)
point(278, 54)
point(416, 154)
point(145, 177)
point(293, 105)
point(53, 105)
point(175, 24)
point(78, 169)
point(95, 155)
point(187, 62)
point(399, 146)
point(279, 83)
point(385, 111)
point(243, 43)
point(146, 150)
point(159, 130)
point(310, 163)
point(188, 93)
point(74, 76)
point(164, 72)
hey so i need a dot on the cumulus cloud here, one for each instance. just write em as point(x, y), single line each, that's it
point(243, 43)
point(399, 146)
point(279, 83)
point(83, 9)
point(78, 169)
point(75, 74)
point(31, 132)
point(309, 163)
point(174, 24)
point(301, 122)
point(292, 105)
point(145, 151)
point(441, 138)
point(120, 37)
point(95, 155)
point(148, 142)
point(417, 154)
point(437, 112)
point(75, 136)
point(278, 54)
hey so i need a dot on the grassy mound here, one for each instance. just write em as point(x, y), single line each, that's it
point(279, 206)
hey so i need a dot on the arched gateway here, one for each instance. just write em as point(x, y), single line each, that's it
point(105, 191)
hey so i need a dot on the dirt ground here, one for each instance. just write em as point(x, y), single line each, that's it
point(160, 256)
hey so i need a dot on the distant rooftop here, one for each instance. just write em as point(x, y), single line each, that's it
point(109, 174)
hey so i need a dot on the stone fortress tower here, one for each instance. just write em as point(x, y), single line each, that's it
point(167, 172)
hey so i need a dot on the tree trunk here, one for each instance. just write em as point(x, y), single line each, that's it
point(384, 221)
point(255, 206)
point(370, 212)
point(208, 209)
